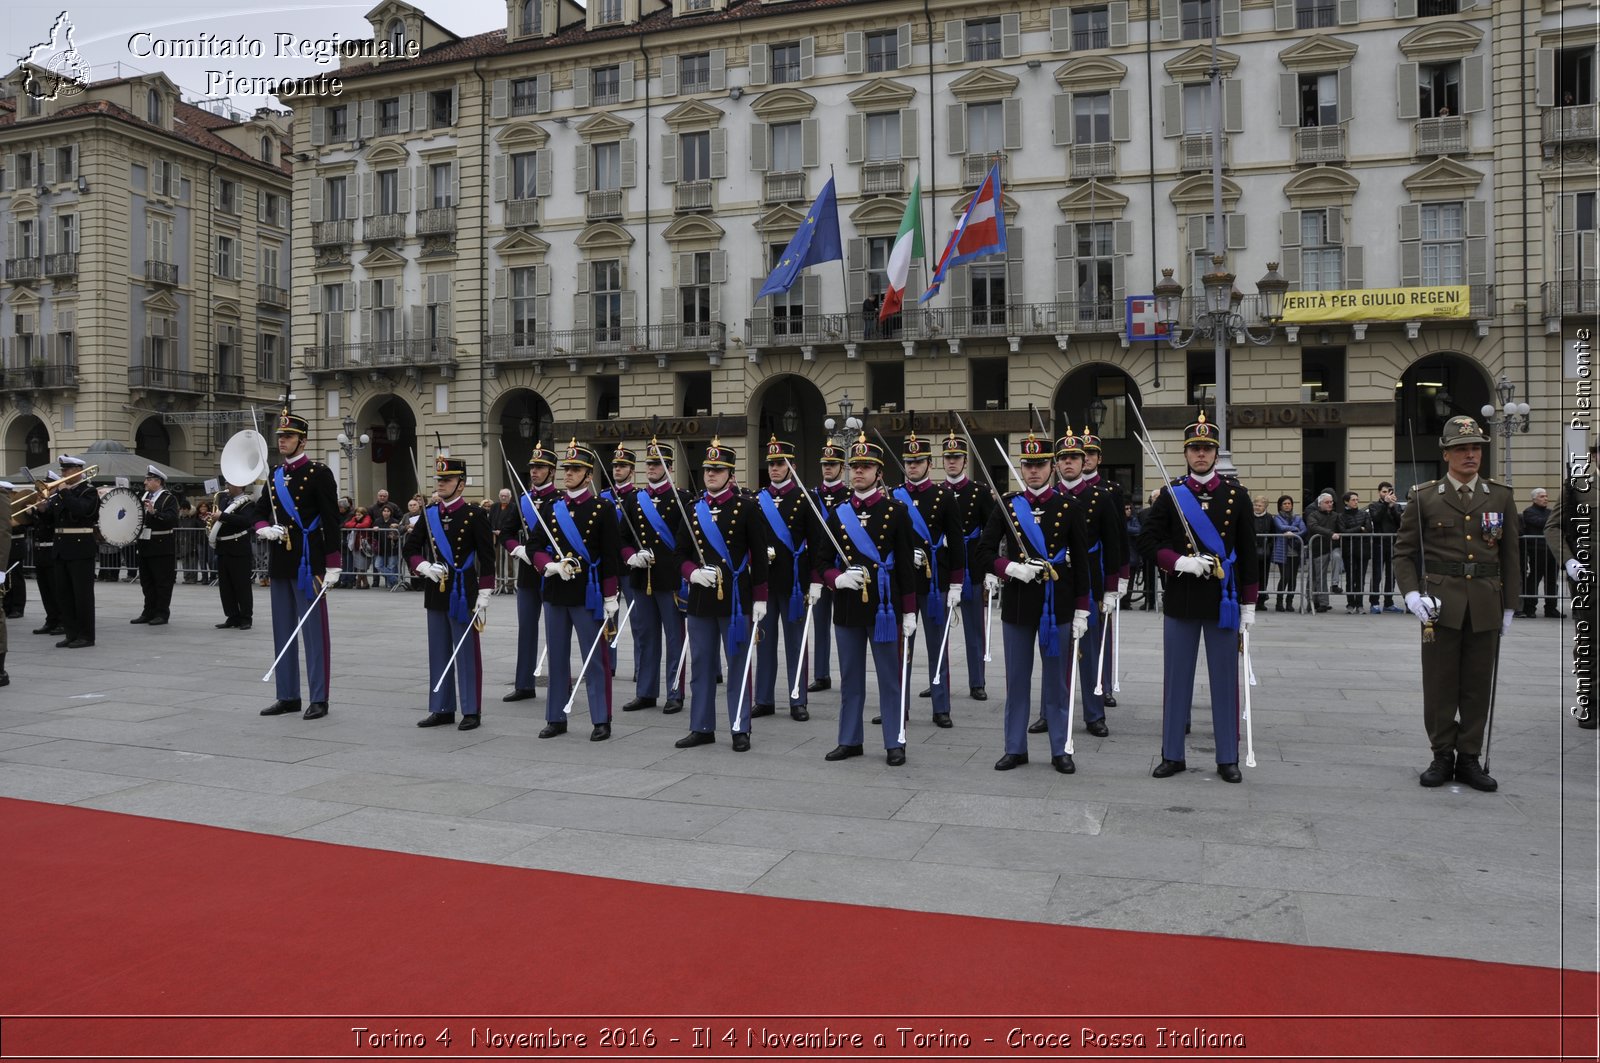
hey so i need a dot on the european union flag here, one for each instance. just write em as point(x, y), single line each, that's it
point(817, 240)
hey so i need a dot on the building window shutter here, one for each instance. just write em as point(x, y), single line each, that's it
point(956, 134)
point(719, 154)
point(314, 299)
point(759, 314)
point(669, 75)
point(810, 143)
point(365, 123)
point(1283, 15)
point(319, 126)
point(719, 69)
point(1233, 106)
point(910, 140)
point(855, 141)
point(1405, 8)
point(1066, 274)
point(902, 45)
point(541, 93)
point(1544, 78)
point(1355, 268)
point(1289, 229)
point(1011, 114)
point(811, 289)
point(1477, 218)
point(625, 79)
point(366, 194)
point(1410, 245)
point(1061, 29)
point(855, 272)
point(1349, 12)
point(669, 158)
point(1346, 94)
point(1171, 30)
point(1016, 267)
point(808, 58)
point(581, 86)
point(630, 310)
point(669, 306)
point(1117, 16)
point(1063, 119)
point(1121, 109)
point(955, 41)
point(760, 59)
point(1195, 234)
point(1289, 100)
point(1233, 227)
point(760, 147)
point(498, 168)
point(500, 100)
point(580, 176)
point(1473, 84)
point(630, 163)
point(1010, 35)
point(542, 165)
point(855, 46)
point(959, 285)
point(1566, 212)
point(403, 197)
point(1230, 18)
point(316, 200)
point(1171, 110)
point(499, 324)
point(1405, 88)
point(352, 198)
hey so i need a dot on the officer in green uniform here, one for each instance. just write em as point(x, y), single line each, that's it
point(1456, 562)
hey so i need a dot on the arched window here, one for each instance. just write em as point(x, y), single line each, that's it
point(266, 149)
point(397, 36)
point(528, 22)
point(153, 107)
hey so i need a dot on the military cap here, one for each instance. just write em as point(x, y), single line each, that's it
point(658, 451)
point(863, 452)
point(71, 461)
point(624, 456)
point(444, 465)
point(719, 456)
point(1034, 449)
point(542, 455)
point(1069, 444)
point(1461, 430)
point(832, 452)
point(779, 450)
point(954, 445)
point(1091, 443)
point(578, 456)
point(916, 448)
point(1201, 433)
point(151, 470)
point(293, 424)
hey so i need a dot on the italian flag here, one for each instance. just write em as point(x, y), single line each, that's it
point(907, 245)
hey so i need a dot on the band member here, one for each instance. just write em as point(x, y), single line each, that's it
point(1200, 532)
point(1569, 533)
point(874, 602)
point(1092, 455)
point(1456, 560)
point(297, 515)
point(74, 506)
point(939, 561)
point(1034, 545)
point(6, 489)
point(659, 590)
point(623, 463)
point(831, 493)
point(581, 567)
point(974, 504)
point(789, 534)
point(452, 547)
point(1107, 536)
point(13, 589)
point(158, 554)
point(722, 552)
point(40, 522)
point(231, 528)
point(530, 578)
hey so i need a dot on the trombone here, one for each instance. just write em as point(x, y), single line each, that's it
point(41, 493)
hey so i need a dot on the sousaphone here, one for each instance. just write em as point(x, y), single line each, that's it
point(244, 459)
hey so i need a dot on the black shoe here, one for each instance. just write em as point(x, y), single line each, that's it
point(842, 753)
point(895, 757)
point(1229, 773)
point(1063, 764)
point(762, 710)
point(1097, 728)
point(1554, 615)
point(243, 625)
point(469, 722)
point(316, 710)
point(554, 730)
point(978, 694)
point(741, 742)
point(799, 712)
point(695, 738)
point(926, 693)
point(437, 719)
point(5, 680)
point(219, 627)
point(46, 630)
point(601, 732)
point(279, 708)
point(673, 705)
point(824, 683)
point(75, 644)
point(520, 694)
point(1469, 771)
point(1440, 771)
point(1110, 702)
point(140, 619)
point(157, 621)
point(877, 720)
point(1038, 727)
point(1010, 760)
point(942, 719)
point(1168, 768)
point(639, 703)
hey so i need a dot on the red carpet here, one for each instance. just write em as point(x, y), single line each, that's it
point(227, 944)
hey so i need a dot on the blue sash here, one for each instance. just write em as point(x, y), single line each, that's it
point(795, 608)
point(458, 586)
point(886, 627)
point(280, 486)
point(920, 526)
point(592, 599)
point(1211, 541)
point(737, 625)
point(530, 519)
point(1049, 632)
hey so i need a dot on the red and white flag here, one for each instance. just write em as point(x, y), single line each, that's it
point(981, 231)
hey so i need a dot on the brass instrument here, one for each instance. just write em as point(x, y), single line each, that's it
point(42, 493)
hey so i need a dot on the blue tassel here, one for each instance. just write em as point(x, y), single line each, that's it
point(1228, 617)
point(307, 585)
point(935, 606)
point(1049, 632)
point(886, 628)
point(592, 600)
point(797, 603)
point(458, 600)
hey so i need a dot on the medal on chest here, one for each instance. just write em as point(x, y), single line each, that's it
point(1492, 526)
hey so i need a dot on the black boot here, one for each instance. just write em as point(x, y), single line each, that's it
point(5, 680)
point(1469, 771)
point(1440, 771)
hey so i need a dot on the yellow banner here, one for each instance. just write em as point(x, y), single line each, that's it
point(1376, 304)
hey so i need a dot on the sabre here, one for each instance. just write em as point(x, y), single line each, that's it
point(677, 448)
point(944, 644)
point(289, 642)
point(1494, 684)
point(1100, 668)
point(1072, 691)
point(538, 669)
point(1422, 570)
point(472, 625)
point(1149, 445)
point(988, 624)
point(583, 670)
point(616, 638)
point(683, 662)
point(805, 639)
point(815, 512)
point(433, 547)
point(744, 675)
point(905, 677)
point(1116, 648)
point(1016, 533)
point(1249, 730)
point(886, 449)
point(533, 504)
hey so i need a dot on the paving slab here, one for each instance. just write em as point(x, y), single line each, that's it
point(666, 861)
point(428, 834)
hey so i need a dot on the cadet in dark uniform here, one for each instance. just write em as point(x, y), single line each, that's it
point(1462, 529)
point(1044, 598)
point(297, 516)
point(75, 508)
point(541, 491)
point(158, 554)
point(874, 601)
point(622, 489)
point(831, 493)
point(235, 523)
point(789, 532)
point(1107, 535)
point(727, 595)
point(939, 561)
point(581, 569)
point(974, 505)
point(1569, 532)
point(1119, 501)
point(1211, 595)
point(6, 488)
point(452, 547)
point(659, 589)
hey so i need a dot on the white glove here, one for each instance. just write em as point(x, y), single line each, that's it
point(521, 554)
point(1080, 623)
point(1108, 602)
point(483, 601)
point(814, 592)
point(919, 557)
point(1425, 609)
point(432, 570)
point(1195, 566)
point(850, 579)
point(952, 597)
point(1114, 596)
point(1575, 570)
point(704, 576)
point(991, 584)
point(611, 607)
point(272, 533)
point(758, 612)
point(1247, 616)
point(908, 624)
point(331, 576)
point(641, 559)
point(1026, 571)
point(1505, 623)
point(2, 577)
point(558, 570)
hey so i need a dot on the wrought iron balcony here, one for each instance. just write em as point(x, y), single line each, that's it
point(519, 346)
point(41, 375)
point(384, 227)
point(878, 178)
point(1316, 144)
point(975, 168)
point(617, 341)
point(788, 186)
point(382, 354)
point(604, 205)
point(229, 384)
point(332, 233)
point(22, 269)
point(1194, 152)
point(941, 323)
point(272, 295)
point(1570, 125)
point(1094, 160)
point(158, 272)
point(522, 214)
point(1575, 298)
point(1441, 136)
point(64, 264)
point(435, 220)
point(691, 196)
point(160, 378)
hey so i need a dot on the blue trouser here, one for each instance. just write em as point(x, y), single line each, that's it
point(767, 656)
point(560, 622)
point(1181, 640)
point(853, 643)
point(1021, 643)
point(972, 618)
point(288, 606)
point(530, 604)
point(629, 596)
point(822, 635)
point(653, 614)
point(466, 674)
point(708, 637)
point(933, 635)
point(1094, 705)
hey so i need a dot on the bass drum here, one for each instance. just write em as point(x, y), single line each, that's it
point(121, 516)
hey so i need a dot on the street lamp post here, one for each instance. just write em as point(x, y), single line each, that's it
point(352, 444)
point(1513, 417)
point(851, 425)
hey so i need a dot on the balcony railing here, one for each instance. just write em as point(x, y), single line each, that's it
point(519, 346)
point(160, 378)
point(1094, 160)
point(435, 220)
point(976, 167)
point(691, 196)
point(1316, 144)
point(158, 272)
point(230, 384)
point(1194, 152)
point(332, 233)
point(64, 264)
point(1441, 136)
point(380, 354)
point(272, 295)
point(1565, 125)
point(938, 323)
point(1576, 298)
point(617, 341)
point(1319, 17)
point(43, 376)
point(22, 269)
point(384, 227)
point(786, 186)
point(878, 178)
point(522, 214)
point(604, 205)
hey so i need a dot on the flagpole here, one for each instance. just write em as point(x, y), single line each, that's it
point(844, 274)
